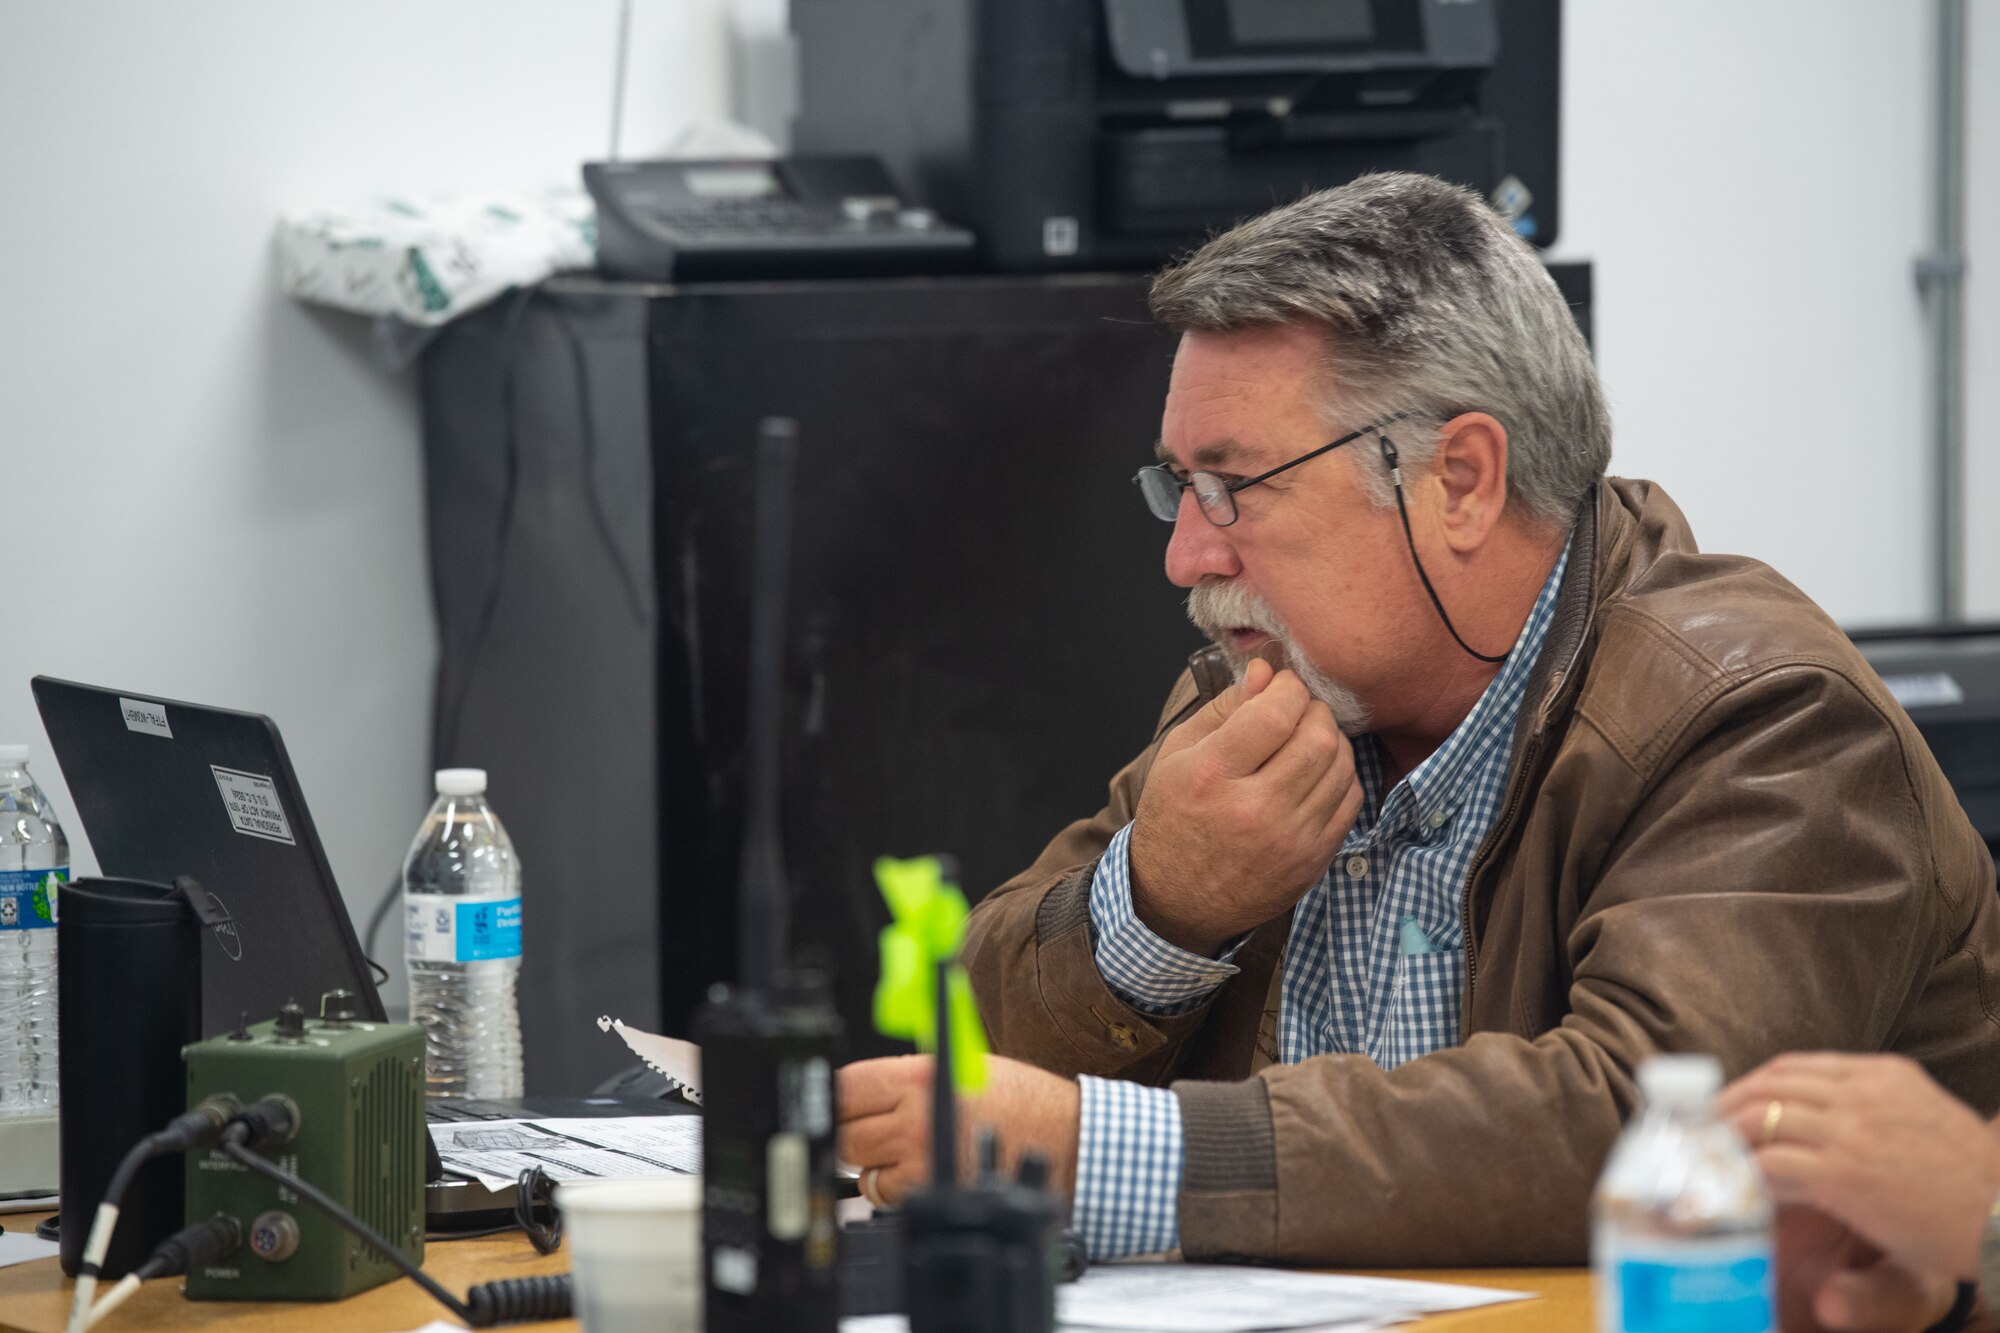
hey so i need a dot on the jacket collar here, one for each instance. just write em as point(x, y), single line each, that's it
point(1570, 627)
point(1620, 529)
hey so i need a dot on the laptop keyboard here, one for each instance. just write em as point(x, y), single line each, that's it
point(451, 1110)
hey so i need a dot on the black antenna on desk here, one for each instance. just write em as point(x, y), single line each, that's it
point(769, 1044)
point(944, 1091)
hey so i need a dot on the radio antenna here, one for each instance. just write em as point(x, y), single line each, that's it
point(768, 1044)
point(618, 73)
point(762, 902)
point(944, 1087)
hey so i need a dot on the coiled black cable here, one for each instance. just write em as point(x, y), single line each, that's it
point(534, 1191)
point(518, 1298)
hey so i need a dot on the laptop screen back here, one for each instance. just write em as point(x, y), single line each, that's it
point(167, 789)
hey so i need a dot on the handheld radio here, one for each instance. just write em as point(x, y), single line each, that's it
point(769, 1239)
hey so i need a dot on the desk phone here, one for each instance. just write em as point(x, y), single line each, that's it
point(798, 217)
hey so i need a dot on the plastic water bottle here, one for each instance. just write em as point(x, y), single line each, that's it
point(462, 932)
point(34, 859)
point(1681, 1237)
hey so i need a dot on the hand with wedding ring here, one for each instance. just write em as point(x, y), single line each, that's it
point(885, 1122)
point(1873, 1142)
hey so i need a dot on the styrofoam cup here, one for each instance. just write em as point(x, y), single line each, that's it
point(635, 1253)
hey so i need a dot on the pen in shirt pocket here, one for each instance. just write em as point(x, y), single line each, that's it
point(1413, 940)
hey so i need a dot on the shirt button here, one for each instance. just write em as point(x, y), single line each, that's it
point(1437, 819)
point(1121, 1036)
point(1357, 865)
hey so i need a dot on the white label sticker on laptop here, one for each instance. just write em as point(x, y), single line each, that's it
point(252, 803)
point(143, 715)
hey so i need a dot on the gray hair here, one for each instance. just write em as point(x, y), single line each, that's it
point(1432, 306)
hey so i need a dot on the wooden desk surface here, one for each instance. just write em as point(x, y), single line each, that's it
point(34, 1298)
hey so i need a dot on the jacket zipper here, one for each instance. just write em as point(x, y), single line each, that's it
point(1514, 793)
point(1515, 790)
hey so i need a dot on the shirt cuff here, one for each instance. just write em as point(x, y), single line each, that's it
point(1144, 970)
point(1128, 1169)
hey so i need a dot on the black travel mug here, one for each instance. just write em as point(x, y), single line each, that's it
point(128, 997)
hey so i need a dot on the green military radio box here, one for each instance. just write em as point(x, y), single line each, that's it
point(359, 1088)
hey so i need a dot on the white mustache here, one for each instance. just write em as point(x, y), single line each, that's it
point(1217, 608)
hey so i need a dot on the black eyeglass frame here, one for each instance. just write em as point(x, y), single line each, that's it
point(1228, 489)
point(1390, 459)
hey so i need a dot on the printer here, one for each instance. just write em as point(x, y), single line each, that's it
point(1073, 134)
point(1947, 677)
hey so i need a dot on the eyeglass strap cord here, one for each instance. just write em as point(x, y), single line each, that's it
point(1390, 457)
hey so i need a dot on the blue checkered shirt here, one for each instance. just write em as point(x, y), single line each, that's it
point(1375, 964)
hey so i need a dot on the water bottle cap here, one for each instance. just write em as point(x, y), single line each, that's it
point(13, 754)
point(1680, 1080)
point(461, 781)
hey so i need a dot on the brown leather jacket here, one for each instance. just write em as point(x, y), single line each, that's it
point(1719, 834)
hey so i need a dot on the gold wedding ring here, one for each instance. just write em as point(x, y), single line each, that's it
point(867, 1184)
point(1772, 1115)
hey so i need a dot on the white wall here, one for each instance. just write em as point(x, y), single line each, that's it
point(1752, 181)
point(1982, 318)
point(218, 495)
point(212, 493)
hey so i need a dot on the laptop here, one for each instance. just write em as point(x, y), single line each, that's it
point(166, 788)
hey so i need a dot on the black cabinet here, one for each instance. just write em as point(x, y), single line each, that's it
point(980, 629)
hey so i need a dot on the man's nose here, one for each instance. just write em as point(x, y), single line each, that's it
point(1198, 549)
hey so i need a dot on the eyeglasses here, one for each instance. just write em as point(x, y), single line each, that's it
point(1217, 497)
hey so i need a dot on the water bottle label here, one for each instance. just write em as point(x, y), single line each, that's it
point(1704, 1294)
point(445, 929)
point(28, 898)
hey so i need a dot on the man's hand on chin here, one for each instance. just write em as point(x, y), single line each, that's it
point(885, 1121)
point(1256, 791)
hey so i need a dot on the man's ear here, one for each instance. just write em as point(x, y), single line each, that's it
point(1470, 467)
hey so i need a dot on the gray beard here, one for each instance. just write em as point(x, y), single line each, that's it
point(1217, 608)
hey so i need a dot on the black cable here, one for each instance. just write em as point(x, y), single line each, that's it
point(534, 1192)
point(451, 711)
point(485, 1305)
point(193, 1128)
point(485, 1233)
point(333, 1208)
point(520, 1298)
point(203, 1243)
point(587, 439)
point(135, 1157)
point(452, 714)
point(375, 924)
point(532, 1189)
point(451, 701)
point(1396, 476)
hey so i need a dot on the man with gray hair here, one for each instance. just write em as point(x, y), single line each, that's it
point(1491, 787)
